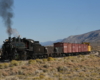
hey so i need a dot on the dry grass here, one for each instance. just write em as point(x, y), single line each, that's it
point(80, 67)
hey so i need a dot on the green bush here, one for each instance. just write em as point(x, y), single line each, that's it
point(6, 65)
point(50, 59)
point(14, 63)
point(45, 66)
point(45, 60)
point(41, 76)
point(39, 60)
point(60, 68)
point(31, 61)
point(1, 66)
point(36, 78)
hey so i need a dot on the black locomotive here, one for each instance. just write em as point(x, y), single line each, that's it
point(22, 49)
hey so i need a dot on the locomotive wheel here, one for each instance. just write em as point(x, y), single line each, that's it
point(45, 55)
point(4, 57)
point(63, 55)
point(15, 56)
point(55, 55)
point(35, 57)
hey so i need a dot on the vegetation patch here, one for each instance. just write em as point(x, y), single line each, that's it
point(81, 67)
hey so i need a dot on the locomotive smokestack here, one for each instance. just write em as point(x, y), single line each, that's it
point(14, 39)
point(9, 39)
point(19, 38)
point(7, 14)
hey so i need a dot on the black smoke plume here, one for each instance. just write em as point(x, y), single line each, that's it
point(7, 14)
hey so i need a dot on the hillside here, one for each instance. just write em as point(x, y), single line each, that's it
point(93, 36)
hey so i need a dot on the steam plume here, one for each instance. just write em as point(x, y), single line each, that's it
point(7, 14)
point(15, 33)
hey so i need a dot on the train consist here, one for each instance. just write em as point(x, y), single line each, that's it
point(22, 49)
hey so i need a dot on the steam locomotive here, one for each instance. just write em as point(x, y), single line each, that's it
point(17, 48)
point(22, 49)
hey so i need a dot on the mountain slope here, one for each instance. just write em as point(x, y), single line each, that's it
point(93, 36)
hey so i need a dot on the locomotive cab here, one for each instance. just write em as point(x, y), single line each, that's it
point(33, 48)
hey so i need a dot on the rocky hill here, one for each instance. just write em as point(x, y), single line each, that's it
point(93, 36)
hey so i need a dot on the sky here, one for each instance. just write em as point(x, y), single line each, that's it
point(49, 20)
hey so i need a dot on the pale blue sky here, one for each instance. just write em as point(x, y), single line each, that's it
point(49, 20)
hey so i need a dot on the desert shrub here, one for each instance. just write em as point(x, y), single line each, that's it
point(14, 70)
point(20, 72)
point(1, 66)
point(27, 72)
point(45, 60)
point(6, 65)
point(8, 79)
point(65, 57)
point(41, 76)
point(21, 76)
point(14, 78)
point(49, 79)
point(14, 63)
point(36, 78)
point(94, 74)
point(45, 66)
point(56, 74)
point(28, 78)
point(4, 73)
point(24, 67)
point(45, 70)
point(50, 59)
point(20, 62)
point(61, 79)
point(0, 73)
point(61, 69)
point(29, 67)
point(39, 60)
point(31, 61)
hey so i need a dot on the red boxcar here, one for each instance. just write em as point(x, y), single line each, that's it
point(67, 48)
point(70, 47)
point(85, 47)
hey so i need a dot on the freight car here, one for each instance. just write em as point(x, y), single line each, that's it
point(22, 49)
point(65, 49)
